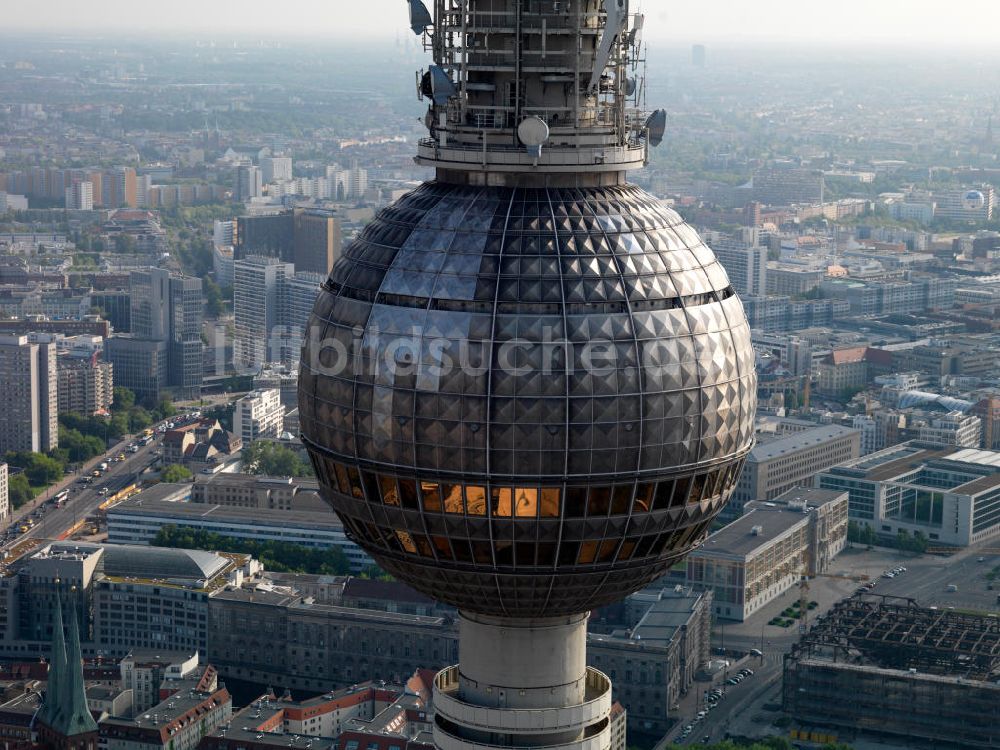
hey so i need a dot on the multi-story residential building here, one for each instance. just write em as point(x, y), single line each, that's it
point(761, 555)
point(4, 493)
point(80, 196)
point(86, 385)
point(746, 266)
point(144, 671)
point(779, 463)
point(276, 168)
point(951, 497)
point(139, 365)
point(258, 415)
point(29, 383)
point(177, 723)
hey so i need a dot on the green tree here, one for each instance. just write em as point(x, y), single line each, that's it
point(280, 557)
point(79, 447)
point(271, 459)
point(41, 470)
point(124, 399)
point(175, 473)
point(19, 490)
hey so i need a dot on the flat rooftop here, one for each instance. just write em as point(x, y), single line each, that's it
point(766, 450)
point(739, 539)
point(141, 505)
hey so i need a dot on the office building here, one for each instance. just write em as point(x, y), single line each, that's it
point(952, 429)
point(761, 555)
point(139, 520)
point(970, 205)
point(787, 187)
point(169, 308)
point(272, 235)
point(297, 297)
point(139, 365)
point(745, 265)
point(248, 183)
point(124, 596)
point(258, 283)
point(86, 385)
point(252, 491)
point(224, 233)
point(782, 461)
point(317, 240)
point(947, 496)
point(29, 383)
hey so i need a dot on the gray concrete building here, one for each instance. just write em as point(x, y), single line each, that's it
point(785, 460)
point(29, 383)
point(764, 553)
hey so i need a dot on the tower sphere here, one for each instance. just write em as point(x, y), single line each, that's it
point(527, 402)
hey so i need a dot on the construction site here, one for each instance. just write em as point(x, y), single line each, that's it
point(885, 665)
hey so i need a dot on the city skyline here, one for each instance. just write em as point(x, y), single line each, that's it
point(891, 23)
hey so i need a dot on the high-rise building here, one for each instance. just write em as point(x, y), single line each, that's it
point(224, 233)
point(746, 266)
point(169, 308)
point(317, 240)
point(276, 168)
point(28, 380)
point(249, 183)
point(699, 55)
point(139, 365)
point(527, 484)
point(257, 288)
point(86, 385)
point(80, 196)
point(297, 296)
point(4, 493)
point(271, 235)
point(119, 188)
point(258, 415)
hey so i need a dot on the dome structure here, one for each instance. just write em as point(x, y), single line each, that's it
point(527, 402)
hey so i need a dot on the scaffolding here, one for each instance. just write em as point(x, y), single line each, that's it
point(886, 665)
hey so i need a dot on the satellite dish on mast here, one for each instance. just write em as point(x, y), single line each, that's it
point(533, 132)
point(420, 17)
point(656, 126)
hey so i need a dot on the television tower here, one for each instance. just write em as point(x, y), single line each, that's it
point(528, 387)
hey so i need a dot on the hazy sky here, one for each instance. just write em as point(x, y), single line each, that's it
point(887, 22)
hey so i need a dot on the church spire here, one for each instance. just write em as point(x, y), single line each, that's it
point(57, 667)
